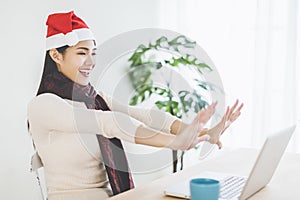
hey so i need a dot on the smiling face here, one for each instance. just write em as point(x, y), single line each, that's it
point(77, 62)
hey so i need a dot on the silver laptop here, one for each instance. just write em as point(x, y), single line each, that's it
point(237, 187)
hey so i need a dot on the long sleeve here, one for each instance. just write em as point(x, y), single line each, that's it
point(50, 112)
point(153, 118)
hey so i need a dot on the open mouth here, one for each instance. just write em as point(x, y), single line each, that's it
point(85, 72)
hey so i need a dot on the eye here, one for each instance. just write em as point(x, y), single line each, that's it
point(81, 53)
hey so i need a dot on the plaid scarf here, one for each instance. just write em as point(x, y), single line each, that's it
point(112, 151)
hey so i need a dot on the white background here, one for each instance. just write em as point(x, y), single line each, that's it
point(221, 33)
point(22, 53)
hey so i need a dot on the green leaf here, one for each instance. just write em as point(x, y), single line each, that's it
point(136, 58)
point(181, 40)
point(201, 66)
point(161, 41)
point(160, 91)
point(142, 68)
point(134, 100)
point(185, 102)
point(207, 85)
point(199, 101)
point(187, 60)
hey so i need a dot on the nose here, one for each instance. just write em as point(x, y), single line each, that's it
point(90, 60)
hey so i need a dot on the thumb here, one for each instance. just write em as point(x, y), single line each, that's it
point(219, 144)
point(204, 138)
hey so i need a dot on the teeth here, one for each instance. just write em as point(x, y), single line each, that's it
point(85, 71)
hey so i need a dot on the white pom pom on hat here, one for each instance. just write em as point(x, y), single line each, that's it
point(66, 29)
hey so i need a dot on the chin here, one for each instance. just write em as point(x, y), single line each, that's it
point(83, 83)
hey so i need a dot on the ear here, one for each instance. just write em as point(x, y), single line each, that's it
point(56, 56)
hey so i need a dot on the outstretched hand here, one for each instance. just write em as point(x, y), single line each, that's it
point(189, 136)
point(229, 117)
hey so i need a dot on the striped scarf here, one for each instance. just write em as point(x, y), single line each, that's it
point(112, 151)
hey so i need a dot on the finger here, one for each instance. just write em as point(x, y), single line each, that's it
point(240, 107)
point(197, 141)
point(211, 108)
point(207, 113)
point(225, 127)
point(203, 138)
point(204, 115)
point(228, 123)
point(226, 116)
point(219, 144)
point(234, 106)
point(234, 116)
point(214, 104)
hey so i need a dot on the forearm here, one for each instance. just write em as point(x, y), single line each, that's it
point(148, 136)
point(154, 118)
point(177, 126)
point(184, 137)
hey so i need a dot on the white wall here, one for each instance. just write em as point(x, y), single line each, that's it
point(255, 47)
point(22, 28)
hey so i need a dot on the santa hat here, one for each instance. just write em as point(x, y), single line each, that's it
point(66, 29)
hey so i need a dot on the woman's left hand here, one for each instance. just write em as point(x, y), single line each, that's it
point(229, 117)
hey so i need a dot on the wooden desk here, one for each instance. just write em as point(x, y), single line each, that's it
point(284, 184)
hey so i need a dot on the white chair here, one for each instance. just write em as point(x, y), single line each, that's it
point(38, 168)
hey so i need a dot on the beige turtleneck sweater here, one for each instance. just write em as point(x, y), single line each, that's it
point(64, 133)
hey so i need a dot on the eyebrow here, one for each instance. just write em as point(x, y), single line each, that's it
point(87, 49)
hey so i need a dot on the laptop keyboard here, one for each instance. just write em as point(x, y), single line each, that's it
point(231, 187)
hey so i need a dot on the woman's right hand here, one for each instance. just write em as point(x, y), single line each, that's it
point(189, 137)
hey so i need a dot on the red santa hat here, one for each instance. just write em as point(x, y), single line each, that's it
point(66, 29)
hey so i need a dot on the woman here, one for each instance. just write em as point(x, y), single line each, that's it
point(67, 114)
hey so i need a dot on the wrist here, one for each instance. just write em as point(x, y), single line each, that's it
point(203, 132)
point(147, 136)
point(177, 126)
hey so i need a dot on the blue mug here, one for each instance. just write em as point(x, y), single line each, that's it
point(204, 189)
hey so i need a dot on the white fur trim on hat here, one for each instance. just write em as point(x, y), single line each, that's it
point(70, 39)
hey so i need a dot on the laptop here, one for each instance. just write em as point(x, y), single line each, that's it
point(238, 187)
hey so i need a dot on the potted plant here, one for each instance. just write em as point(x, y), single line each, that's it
point(149, 59)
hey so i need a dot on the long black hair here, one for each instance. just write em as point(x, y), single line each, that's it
point(49, 68)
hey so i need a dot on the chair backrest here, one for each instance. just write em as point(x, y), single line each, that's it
point(37, 167)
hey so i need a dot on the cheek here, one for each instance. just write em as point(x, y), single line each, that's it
point(74, 65)
point(70, 70)
point(73, 71)
point(71, 66)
